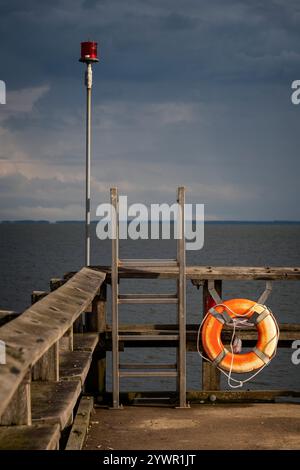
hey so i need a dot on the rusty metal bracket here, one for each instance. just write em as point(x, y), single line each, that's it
point(197, 283)
point(214, 294)
point(264, 296)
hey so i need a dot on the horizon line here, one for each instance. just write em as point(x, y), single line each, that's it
point(45, 221)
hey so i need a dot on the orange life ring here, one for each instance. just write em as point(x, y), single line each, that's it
point(224, 313)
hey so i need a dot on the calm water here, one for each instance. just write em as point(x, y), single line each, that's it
point(30, 254)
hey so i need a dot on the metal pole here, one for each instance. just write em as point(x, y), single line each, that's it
point(88, 82)
point(182, 301)
point(114, 297)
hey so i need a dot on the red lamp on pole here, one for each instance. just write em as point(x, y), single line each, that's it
point(89, 52)
point(89, 56)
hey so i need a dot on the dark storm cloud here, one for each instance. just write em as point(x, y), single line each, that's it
point(148, 40)
point(198, 89)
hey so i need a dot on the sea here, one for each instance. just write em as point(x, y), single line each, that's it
point(32, 253)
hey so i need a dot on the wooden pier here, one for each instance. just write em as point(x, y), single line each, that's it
point(56, 363)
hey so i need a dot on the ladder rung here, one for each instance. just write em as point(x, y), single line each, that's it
point(145, 331)
point(148, 366)
point(148, 337)
point(157, 373)
point(147, 263)
point(148, 299)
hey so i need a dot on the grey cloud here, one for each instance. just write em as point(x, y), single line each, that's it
point(17, 190)
point(152, 40)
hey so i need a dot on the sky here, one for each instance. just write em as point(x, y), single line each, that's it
point(187, 92)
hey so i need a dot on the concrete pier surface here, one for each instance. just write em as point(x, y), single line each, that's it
point(234, 426)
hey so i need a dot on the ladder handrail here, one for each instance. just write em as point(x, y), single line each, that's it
point(181, 299)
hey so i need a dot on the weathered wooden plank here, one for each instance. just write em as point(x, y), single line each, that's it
point(240, 395)
point(74, 365)
point(35, 437)
point(289, 331)
point(89, 342)
point(203, 273)
point(40, 326)
point(80, 425)
point(53, 402)
point(190, 345)
point(209, 396)
point(18, 411)
point(85, 341)
point(243, 273)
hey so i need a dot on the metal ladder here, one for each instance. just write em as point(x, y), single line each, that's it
point(178, 369)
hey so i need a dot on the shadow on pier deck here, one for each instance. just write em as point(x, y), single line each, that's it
point(213, 427)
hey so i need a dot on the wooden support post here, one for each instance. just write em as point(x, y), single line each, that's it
point(78, 326)
point(210, 375)
point(55, 283)
point(101, 315)
point(7, 316)
point(38, 295)
point(81, 423)
point(96, 321)
point(18, 411)
point(66, 342)
point(47, 368)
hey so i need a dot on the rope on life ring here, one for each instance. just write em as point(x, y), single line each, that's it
point(238, 313)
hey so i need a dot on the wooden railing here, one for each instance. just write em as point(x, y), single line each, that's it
point(46, 364)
